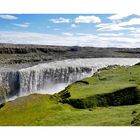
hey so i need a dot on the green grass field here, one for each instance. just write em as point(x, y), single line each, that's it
point(107, 81)
point(46, 110)
point(41, 110)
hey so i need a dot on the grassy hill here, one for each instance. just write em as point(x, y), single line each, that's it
point(109, 98)
point(110, 86)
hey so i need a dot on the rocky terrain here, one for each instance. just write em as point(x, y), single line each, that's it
point(33, 54)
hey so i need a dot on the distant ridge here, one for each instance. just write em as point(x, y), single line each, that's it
point(21, 53)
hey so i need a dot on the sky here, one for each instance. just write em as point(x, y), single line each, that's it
point(94, 30)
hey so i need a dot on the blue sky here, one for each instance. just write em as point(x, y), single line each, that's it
point(97, 30)
point(42, 23)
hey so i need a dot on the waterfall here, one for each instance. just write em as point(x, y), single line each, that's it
point(34, 80)
point(54, 76)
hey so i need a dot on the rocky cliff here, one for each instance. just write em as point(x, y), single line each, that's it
point(16, 53)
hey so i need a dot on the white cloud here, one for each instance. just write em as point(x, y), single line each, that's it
point(74, 26)
point(133, 21)
point(127, 25)
point(69, 40)
point(118, 16)
point(67, 34)
point(112, 27)
point(24, 25)
point(83, 34)
point(136, 30)
point(8, 17)
point(60, 20)
point(111, 34)
point(135, 35)
point(87, 19)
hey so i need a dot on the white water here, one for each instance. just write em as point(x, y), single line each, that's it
point(55, 76)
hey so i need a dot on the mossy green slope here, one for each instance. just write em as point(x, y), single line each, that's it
point(29, 109)
point(43, 110)
point(111, 86)
point(106, 81)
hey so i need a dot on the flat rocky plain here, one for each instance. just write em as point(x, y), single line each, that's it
point(27, 55)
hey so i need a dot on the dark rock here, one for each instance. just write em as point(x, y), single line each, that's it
point(83, 82)
point(90, 109)
point(136, 120)
point(137, 64)
point(131, 80)
point(132, 122)
point(2, 105)
point(133, 112)
point(4, 91)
